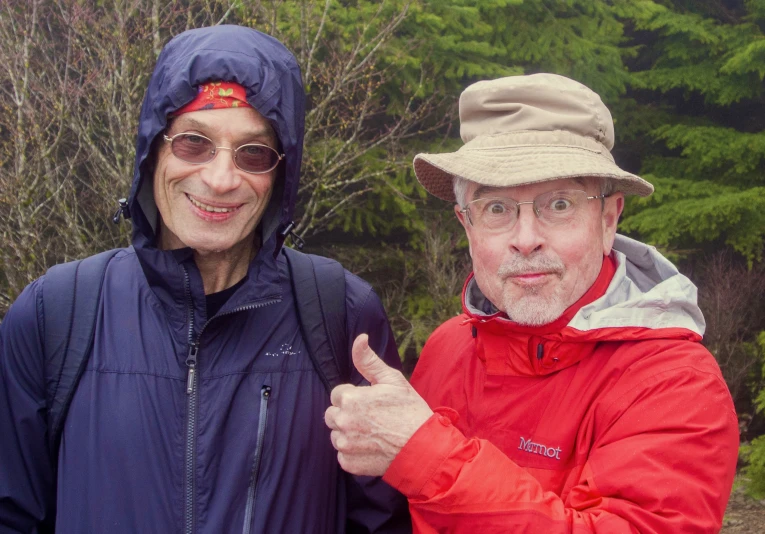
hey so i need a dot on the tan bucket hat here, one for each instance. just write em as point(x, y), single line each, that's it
point(524, 129)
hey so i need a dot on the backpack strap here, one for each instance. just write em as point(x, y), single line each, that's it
point(71, 295)
point(319, 288)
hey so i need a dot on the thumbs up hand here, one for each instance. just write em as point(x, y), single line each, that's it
point(370, 424)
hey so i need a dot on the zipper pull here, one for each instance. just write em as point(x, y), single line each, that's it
point(190, 380)
point(540, 352)
point(191, 362)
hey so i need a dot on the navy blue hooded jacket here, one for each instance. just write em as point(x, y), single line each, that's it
point(247, 450)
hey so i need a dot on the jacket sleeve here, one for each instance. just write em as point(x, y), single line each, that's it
point(663, 463)
point(373, 506)
point(26, 474)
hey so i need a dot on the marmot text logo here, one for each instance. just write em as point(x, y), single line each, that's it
point(538, 448)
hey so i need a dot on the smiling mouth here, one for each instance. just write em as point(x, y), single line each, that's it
point(210, 209)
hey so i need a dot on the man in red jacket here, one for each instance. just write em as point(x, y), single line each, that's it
point(573, 393)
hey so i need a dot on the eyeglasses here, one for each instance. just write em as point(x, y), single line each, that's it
point(198, 150)
point(553, 208)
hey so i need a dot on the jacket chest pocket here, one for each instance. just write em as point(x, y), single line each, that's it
point(265, 395)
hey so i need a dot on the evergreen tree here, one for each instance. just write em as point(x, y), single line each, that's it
point(696, 120)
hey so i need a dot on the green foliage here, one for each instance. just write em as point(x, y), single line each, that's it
point(576, 38)
point(436, 51)
point(698, 53)
point(723, 154)
point(754, 453)
point(455, 39)
point(419, 281)
point(738, 217)
point(684, 82)
point(759, 346)
point(436, 271)
point(696, 90)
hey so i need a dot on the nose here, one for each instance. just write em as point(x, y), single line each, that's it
point(221, 174)
point(526, 237)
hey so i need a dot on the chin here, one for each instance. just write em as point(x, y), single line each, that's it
point(204, 238)
point(207, 243)
point(212, 248)
point(534, 310)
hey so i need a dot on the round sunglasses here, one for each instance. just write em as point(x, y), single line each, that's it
point(198, 150)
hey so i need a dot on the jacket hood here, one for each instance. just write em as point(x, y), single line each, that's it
point(272, 81)
point(646, 292)
point(646, 297)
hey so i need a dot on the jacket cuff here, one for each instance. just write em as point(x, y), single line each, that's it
point(415, 467)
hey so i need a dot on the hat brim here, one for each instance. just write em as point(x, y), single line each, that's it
point(510, 166)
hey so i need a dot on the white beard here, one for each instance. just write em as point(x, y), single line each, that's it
point(533, 309)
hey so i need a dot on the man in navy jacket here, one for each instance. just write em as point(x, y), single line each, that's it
point(199, 409)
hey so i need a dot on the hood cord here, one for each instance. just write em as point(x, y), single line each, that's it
point(296, 239)
point(122, 211)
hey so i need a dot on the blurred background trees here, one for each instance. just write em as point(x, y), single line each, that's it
point(684, 81)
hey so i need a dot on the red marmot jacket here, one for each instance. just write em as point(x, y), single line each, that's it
point(612, 419)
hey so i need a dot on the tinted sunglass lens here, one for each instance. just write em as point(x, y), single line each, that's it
point(256, 158)
point(193, 148)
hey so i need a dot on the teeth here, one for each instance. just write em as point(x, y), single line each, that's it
point(211, 209)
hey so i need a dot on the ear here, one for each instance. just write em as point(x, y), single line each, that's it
point(462, 218)
point(612, 210)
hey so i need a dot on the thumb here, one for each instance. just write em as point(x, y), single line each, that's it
point(370, 365)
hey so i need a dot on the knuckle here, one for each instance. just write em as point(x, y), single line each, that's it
point(330, 417)
point(333, 438)
point(342, 421)
point(340, 394)
point(342, 460)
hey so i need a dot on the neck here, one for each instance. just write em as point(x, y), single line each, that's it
point(219, 269)
point(222, 269)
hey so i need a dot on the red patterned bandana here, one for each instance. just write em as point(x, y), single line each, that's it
point(216, 95)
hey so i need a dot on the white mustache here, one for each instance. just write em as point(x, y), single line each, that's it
point(520, 265)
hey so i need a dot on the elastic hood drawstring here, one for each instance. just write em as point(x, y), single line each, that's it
point(287, 232)
point(122, 211)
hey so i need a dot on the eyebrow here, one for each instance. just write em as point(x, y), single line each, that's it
point(488, 189)
point(261, 132)
point(485, 189)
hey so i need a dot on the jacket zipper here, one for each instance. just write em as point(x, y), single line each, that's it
point(191, 412)
point(265, 394)
point(192, 380)
point(536, 352)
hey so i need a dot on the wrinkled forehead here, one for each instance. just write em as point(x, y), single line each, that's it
point(529, 191)
point(239, 123)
